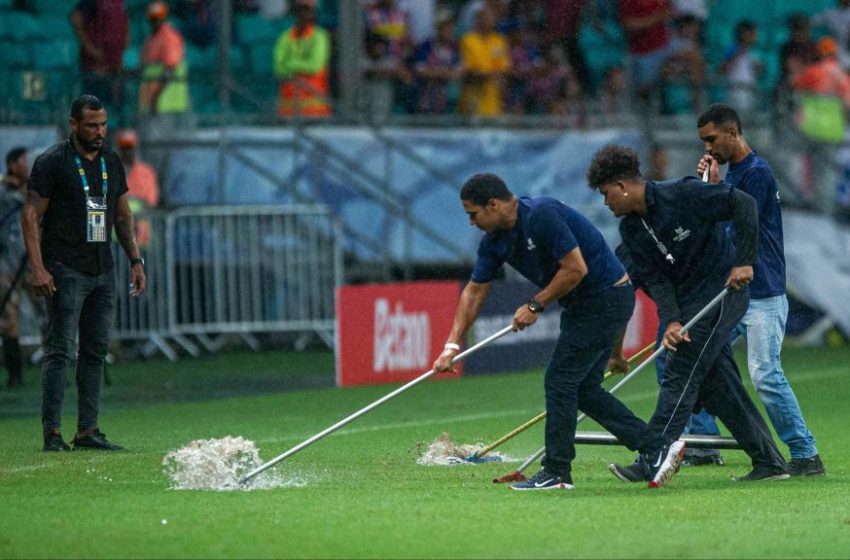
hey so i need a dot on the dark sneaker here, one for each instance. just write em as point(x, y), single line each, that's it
point(764, 473)
point(811, 466)
point(53, 442)
point(543, 481)
point(94, 439)
point(702, 457)
point(636, 472)
point(666, 464)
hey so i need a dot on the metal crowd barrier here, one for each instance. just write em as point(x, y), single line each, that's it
point(232, 271)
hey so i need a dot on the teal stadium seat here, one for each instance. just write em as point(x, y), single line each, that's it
point(20, 26)
point(250, 29)
point(603, 49)
point(260, 57)
point(14, 55)
point(132, 57)
point(54, 7)
point(56, 27)
point(54, 55)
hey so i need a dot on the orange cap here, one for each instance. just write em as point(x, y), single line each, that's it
point(157, 11)
point(127, 138)
point(827, 46)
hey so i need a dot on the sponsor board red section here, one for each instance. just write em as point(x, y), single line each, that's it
point(643, 325)
point(390, 333)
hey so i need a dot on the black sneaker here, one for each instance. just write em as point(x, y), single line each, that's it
point(811, 466)
point(95, 439)
point(636, 472)
point(665, 464)
point(543, 481)
point(763, 473)
point(53, 442)
point(702, 457)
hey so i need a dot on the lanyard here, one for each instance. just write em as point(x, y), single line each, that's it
point(85, 181)
point(659, 244)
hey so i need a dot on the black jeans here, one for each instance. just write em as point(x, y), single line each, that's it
point(704, 372)
point(574, 377)
point(81, 304)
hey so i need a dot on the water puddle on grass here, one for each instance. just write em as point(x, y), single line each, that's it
point(443, 451)
point(220, 464)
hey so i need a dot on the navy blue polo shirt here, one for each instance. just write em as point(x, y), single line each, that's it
point(754, 176)
point(686, 217)
point(545, 231)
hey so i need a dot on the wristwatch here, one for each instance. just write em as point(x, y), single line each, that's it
point(534, 306)
point(137, 260)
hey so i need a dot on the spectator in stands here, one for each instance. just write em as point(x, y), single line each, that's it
point(486, 61)
point(13, 260)
point(837, 22)
point(696, 9)
point(554, 89)
point(437, 65)
point(164, 87)
point(390, 23)
point(301, 57)
point(421, 20)
point(825, 98)
point(742, 67)
point(75, 200)
point(645, 23)
point(199, 21)
point(381, 75)
point(525, 63)
point(563, 21)
point(686, 64)
point(102, 29)
point(799, 50)
point(142, 184)
point(469, 13)
point(613, 99)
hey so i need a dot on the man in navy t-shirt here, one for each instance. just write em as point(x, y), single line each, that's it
point(764, 323)
point(563, 254)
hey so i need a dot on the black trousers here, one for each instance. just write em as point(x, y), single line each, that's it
point(704, 372)
point(574, 376)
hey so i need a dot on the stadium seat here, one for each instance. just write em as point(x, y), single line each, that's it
point(250, 29)
point(53, 7)
point(21, 26)
point(14, 55)
point(56, 27)
point(260, 57)
point(54, 54)
point(131, 58)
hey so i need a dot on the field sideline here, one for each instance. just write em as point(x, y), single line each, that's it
point(362, 494)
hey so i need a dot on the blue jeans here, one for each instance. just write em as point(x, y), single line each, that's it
point(84, 305)
point(763, 326)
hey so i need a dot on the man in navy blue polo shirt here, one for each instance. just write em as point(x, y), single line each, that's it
point(675, 234)
point(763, 325)
point(561, 252)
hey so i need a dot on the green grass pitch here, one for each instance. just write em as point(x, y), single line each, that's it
point(365, 496)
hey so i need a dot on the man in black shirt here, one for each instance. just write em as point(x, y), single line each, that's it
point(76, 195)
point(675, 234)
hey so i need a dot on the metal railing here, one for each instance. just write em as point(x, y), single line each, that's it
point(232, 270)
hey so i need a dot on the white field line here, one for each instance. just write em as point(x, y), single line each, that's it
point(796, 378)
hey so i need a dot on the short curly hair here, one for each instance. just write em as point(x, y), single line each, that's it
point(613, 163)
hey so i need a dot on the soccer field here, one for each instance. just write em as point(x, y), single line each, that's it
point(360, 494)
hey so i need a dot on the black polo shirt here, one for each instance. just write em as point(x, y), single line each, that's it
point(64, 225)
point(688, 217)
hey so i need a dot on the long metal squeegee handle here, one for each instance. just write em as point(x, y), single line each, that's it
point(365, 409)
point(635, 371)
point(487, 449)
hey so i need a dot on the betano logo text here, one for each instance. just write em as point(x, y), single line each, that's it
point(402, 340)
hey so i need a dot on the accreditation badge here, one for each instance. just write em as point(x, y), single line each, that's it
point(96, 219)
